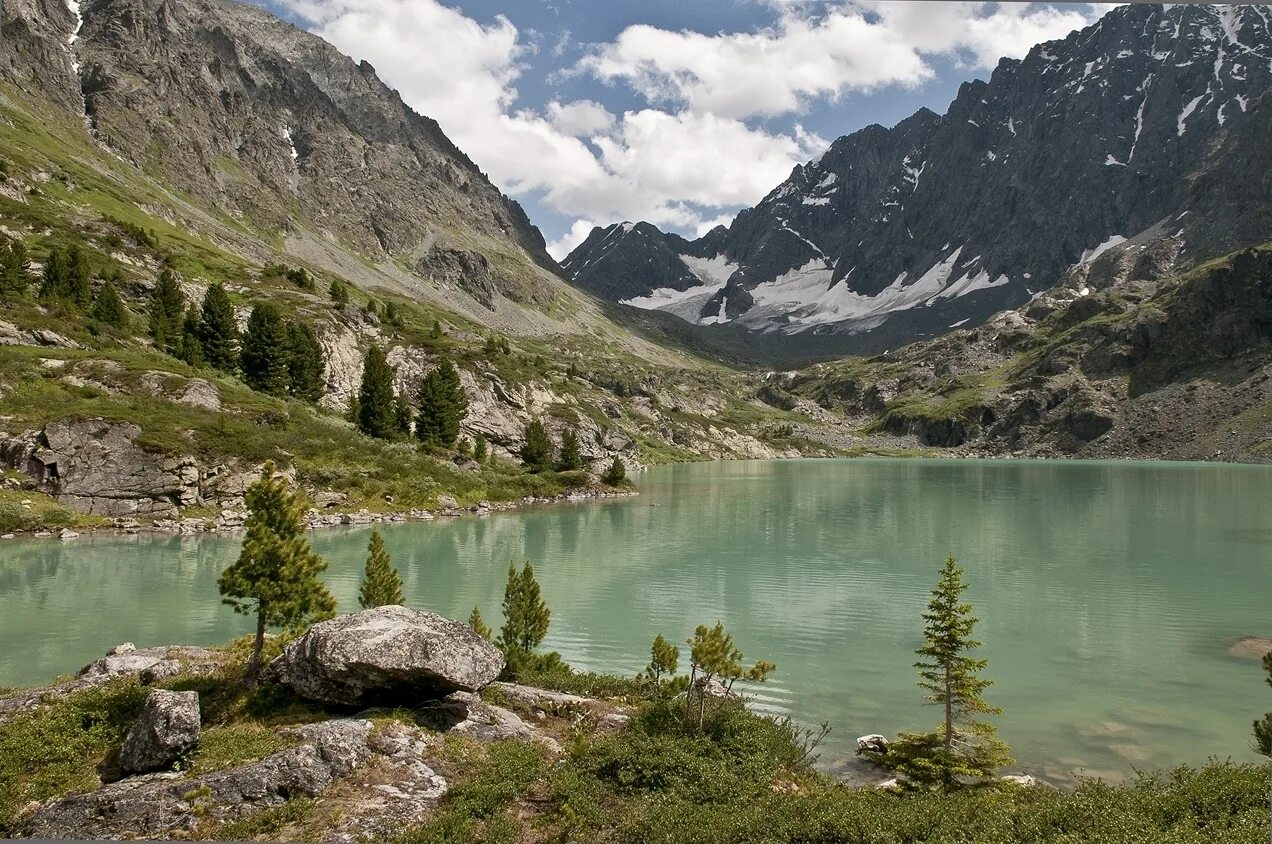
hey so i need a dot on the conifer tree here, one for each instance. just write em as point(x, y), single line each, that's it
point(108, 307)
point(436, 333)
point(443, 405)
point(571, 457)
point(15, 275)
point(714, 657)
point(616, 473)
point(377, 414)
point(167, 309)
point(537, 451)
point(305, 363)
point(526, 615)
point(962, 746)
point(381, 584)
point(53, 279)
point(663, 659)
point(276, 576)
point(404, 413)
point(266, 355)
point(480, 449)
point(1263, 728)
point(339, 293)
point(191, 350)
point(218, 329)
point(79, 278)
point(478, 625)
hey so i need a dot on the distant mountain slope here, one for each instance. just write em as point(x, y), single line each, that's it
point(1123, 129)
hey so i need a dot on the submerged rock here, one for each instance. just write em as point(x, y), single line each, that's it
point(387, 655)
point(167, 730)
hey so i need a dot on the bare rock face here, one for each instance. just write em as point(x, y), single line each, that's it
point(390, 655)
point(167, 730)
point(96, 466)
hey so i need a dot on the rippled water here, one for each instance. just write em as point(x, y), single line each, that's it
point(1109, 592)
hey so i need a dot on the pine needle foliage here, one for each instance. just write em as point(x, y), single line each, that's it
point(381, 584)
point(443, 405)
point(526, 615)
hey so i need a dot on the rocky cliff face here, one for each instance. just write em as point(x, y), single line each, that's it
point(273, 124)
point(1144, 123)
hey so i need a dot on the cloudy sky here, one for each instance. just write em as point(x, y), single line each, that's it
point(678, 112)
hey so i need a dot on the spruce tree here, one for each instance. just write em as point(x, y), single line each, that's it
point(404, 414)
point(53, 279)
point(616, 473)
point(480, 449)
point(190, 349)
point(478, 625)
point(108, 307)
point(962, 746)
point(79, 278)
point(377, 413)
point(571, 457)
point(305, 363)
point(266, 355)
point(15, 275)
point(339, 293)
point(276, 576)
point(218, 330)
point(167, 309)
point(381, 584)
point(537, 451)
point(526, 615)
point(443, 405)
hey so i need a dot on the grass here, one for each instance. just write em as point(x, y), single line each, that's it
point(26, 510)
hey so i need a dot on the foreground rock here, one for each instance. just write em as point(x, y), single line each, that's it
point(390, 655)
point(167, 730)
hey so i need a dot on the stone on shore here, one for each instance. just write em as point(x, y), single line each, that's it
point(387, 655)
point(167, 730)
point(873, 743)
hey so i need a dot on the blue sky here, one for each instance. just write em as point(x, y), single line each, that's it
point(680, 113)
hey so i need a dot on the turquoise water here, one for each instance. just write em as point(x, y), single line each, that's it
point(1109, 593)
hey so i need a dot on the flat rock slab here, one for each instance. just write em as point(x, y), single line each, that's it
point(387, 656)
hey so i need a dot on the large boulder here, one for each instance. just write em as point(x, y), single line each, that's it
point(167, 730)
point(387, 655)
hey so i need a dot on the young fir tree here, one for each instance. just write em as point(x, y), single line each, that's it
point(377, 413)
point(276, 576)
point(339, 292)
point(218, 330)
point(190, 349)
point(443, 405)
point(481, 450)
point(108, 307)
point(571, 455)
point(305, 364)
point(962, 747)
point(266, 355)
point(381, 584)
point(615, 474)
point(15, 275)
point(478, 625)
point(537, 451)
point(167, 310)
point(526, 616)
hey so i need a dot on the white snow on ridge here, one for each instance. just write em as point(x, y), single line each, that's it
point(710, 270)
point(1091, 254)
point(287, 136)
point(687, 304)
point(826, 182)
point(1183, 115)
point(74, 6)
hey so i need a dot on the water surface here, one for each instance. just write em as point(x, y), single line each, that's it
point(1108, 592)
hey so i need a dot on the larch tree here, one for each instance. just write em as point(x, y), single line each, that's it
point(381, 584)
point(266, 355)
point(964, 746)
point(377, 412)
point(526, 615)
point(218, 329)
point(442, 405)
point(277, 575)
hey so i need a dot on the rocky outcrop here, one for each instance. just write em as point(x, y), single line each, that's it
point(96, 466)
point(386, 654)
point(167, 730)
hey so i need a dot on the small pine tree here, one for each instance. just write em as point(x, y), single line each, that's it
point(191, 350)
point(616, 473)
point(443, 405)
point(961, 747)
point(266, 355)
point(305, 363)
point(480, 449)
point(526, 615)
point(478, 625)
point(492, 345)
point(663, 659)
point(714, 657)
point(108, 307)
point(167, 310)
point(339, 293)
point(537, 451)
point(15, 275)
point(436, 333)
point(301, 278)
point(377, 412)
point(381, 584)
point(218, 329)
point(276, 576)
point(571, 456)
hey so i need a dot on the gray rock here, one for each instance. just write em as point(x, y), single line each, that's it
point(387, 655)
point(873, 743)
point(167, 730)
